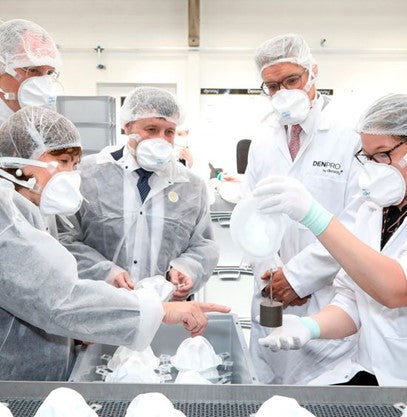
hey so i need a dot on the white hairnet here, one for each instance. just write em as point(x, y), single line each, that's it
point(31, 131)
point(284, 48)
point(147, 102)
point(24, 43)
point(387, 116)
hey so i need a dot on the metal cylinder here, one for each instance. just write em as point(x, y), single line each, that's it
point(271, 313)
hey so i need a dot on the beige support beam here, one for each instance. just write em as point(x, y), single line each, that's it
point(193, 22)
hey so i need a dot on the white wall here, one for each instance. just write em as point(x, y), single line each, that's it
point(145, 41)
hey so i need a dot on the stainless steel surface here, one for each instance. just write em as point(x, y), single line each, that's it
point(213, 401)
point(223, 332)
point(88, 109)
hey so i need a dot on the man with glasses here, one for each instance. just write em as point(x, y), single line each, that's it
point(28, 61)
point(304, 137)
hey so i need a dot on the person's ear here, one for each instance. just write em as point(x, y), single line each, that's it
point(315, 70)
point(127, 128)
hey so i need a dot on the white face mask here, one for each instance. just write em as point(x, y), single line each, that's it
point(38, 91)
point(292, 106)
point(383, 184)
point(61, 194)
point(154, 154)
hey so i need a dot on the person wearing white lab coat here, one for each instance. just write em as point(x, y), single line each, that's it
point(321, 155)
point(43, 304)
point(126, 231)
point(29, 58)
point(371, 290)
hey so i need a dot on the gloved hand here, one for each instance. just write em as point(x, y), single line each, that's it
point(287, 195)
point(293, 334)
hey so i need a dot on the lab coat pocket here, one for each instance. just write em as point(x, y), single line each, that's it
point(393, 362)
point(328, 191)
point(395, 325)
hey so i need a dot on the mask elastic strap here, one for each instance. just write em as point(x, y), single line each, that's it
point(13, 73)
point(403, 161)
point(15, 162)
point(8, 96)
point(311, 79)
point(135, 137)
point(30, 184)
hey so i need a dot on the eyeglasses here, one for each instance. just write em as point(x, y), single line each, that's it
point(38, 72)
point(291, 82)
point(380, 157)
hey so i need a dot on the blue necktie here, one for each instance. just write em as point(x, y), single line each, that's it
point(142, 183)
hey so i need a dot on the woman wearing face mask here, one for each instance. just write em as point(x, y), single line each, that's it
point(28, 61)
point(371, 290)
point(43, 304)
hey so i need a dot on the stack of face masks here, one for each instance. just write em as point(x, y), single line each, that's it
point(197, 354)
point(133, 366)
point(191, 377)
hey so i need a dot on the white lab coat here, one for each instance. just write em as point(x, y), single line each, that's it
point(326, 166)
point(115, 231)
point(382, 346)
point(43, 303)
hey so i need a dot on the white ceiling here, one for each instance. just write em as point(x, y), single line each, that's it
point(346, 24)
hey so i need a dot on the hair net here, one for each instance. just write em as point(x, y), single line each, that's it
point(387, 116)
point(284, 48)
point(24, 43)
point(31, 131)
point(146, 102)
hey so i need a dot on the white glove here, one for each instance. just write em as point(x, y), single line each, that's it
point(283, 195)
point(287, 195)
point(293, 334)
